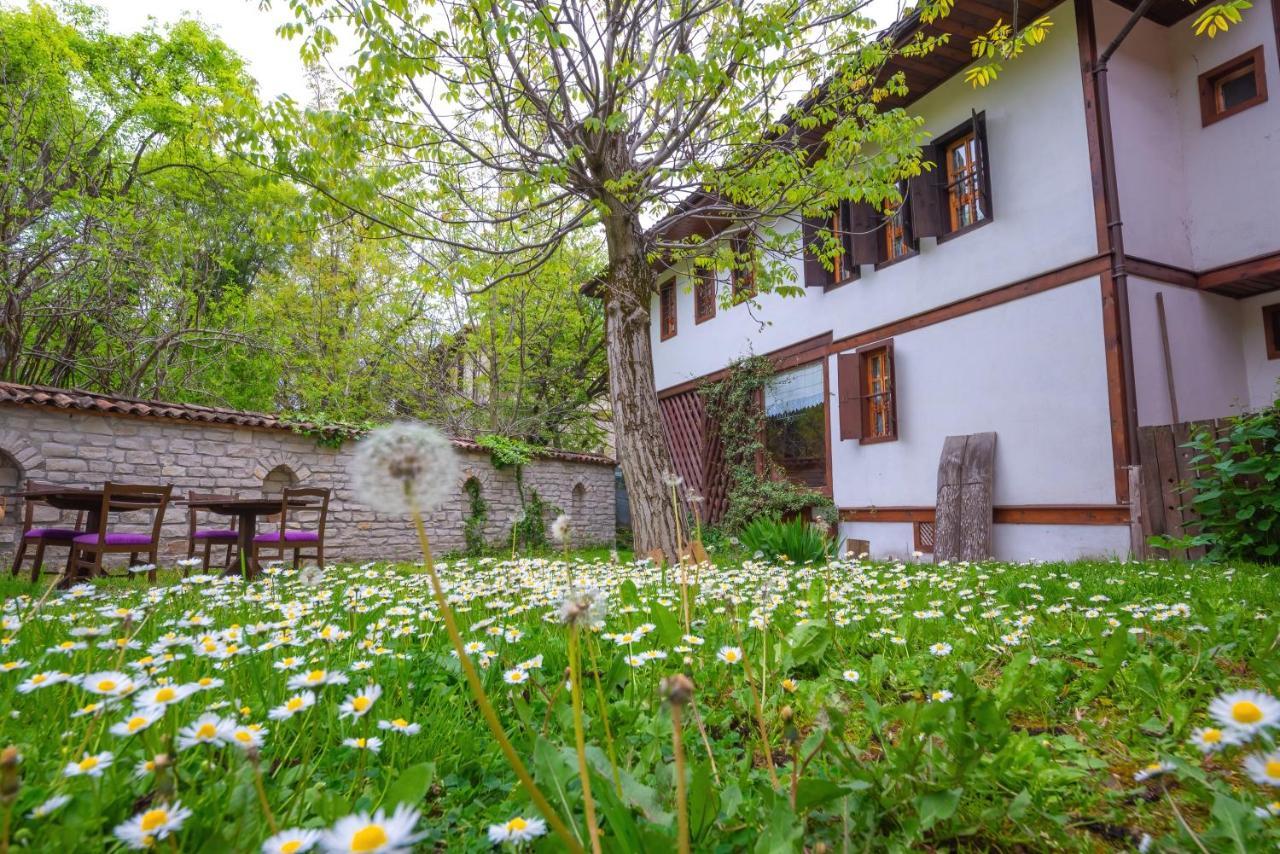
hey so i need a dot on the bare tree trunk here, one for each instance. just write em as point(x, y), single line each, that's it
point(641, 445)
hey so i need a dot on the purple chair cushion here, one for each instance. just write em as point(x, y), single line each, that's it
point(53, 533)
point(289, 537)
point(215, 534)
point(116, 538)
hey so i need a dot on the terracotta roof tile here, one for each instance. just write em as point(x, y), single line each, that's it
point(107, 404)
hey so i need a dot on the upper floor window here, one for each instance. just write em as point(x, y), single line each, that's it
point(704, 295)
point(955, 195)
point(896, 237)
point(743, 272)
point(1232, 87)
point(843, 225)
point(667, 310)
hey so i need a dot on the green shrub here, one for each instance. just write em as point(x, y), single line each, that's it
point(1237, 489)
point(477, 517)
point(797, 540)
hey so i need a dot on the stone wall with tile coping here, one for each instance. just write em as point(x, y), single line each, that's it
point(80, 449)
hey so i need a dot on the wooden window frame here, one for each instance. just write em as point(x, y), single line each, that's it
point(1270, 315)
point(665, 292)
point(865, 357)
point(1210, 83)
point(742, 275)
point(937, 183)
point(854, 394)
point(844, 271)
point(704, 279)
point(903, 216)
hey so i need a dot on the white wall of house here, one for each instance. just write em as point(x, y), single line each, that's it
point(1033, 370)
point(1196, 197)
point(1205, 349)
point(1043, 219)
point(1261, 373)
point(1009, 542)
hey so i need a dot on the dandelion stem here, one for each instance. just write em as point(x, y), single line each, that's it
point(262, 798)
point(482, 701)
point(575, 687)
point(706, 742)
point(604, 718)
point(682, 806)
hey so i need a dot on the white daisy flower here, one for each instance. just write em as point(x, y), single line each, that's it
point(137, 722)
point(1263, 769)
point(515, 676)
point(1155, 769)
point(246, 737)
point(851, 676)
point(92, 765)
point(1211, 739)
point(1247, 711)
point(373, 834)
point(518, 829)
point(299, 702)
point(940, 649)
point(400, 725)
point(163, 696)
point(730, 654)
point(50, 806)
point(356, 705)
point(42, 680)
point(940, 696)
point(292, 841)
point(207, 729)
point(373, 744)
point(317, 679)
point(144, 829)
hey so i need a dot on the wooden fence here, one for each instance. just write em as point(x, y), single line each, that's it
point(696, 451)
point(1164, 495)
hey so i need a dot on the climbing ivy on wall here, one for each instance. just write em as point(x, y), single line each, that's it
point(758, 486)
point(477, 516)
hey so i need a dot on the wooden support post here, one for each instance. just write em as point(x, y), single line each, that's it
point(1137, 515)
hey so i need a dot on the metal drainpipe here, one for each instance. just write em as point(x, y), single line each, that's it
point(1115, 227)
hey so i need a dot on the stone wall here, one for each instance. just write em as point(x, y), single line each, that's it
point(82, 449)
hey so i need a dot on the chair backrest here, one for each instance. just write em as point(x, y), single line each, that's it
point(292, 493)
point(131, 497)
point(193, 511)
point(29, 506)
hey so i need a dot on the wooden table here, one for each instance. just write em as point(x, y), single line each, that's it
point(247, 511)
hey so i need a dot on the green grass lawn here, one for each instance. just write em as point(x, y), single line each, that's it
point(905, 707)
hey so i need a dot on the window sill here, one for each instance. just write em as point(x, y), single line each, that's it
point(665, 337)
point(973, 226)
point(890, 262)
point(699, 320)
point(840, 284)
point(876, 440)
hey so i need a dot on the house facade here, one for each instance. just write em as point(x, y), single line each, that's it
point(1097, 250)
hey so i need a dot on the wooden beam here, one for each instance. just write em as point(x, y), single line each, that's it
point(1020, 514)
point(784, 358)
point(1261, 265)
point(1160, 272)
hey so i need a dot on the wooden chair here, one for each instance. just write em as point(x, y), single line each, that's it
point(297, 539)
point(43, 537)
point(123, 498)
point(207, 537)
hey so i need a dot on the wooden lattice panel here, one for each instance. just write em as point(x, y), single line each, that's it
point(695, 451)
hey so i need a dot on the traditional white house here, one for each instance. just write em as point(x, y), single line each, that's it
point(1098, 250)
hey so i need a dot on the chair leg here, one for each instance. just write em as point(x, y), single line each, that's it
point(71, 556)
point(17, 556)
point(153, 558)
point(208, 552)
point(38, 558)
point(320, 555)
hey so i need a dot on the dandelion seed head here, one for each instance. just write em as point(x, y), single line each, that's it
point(403, 464)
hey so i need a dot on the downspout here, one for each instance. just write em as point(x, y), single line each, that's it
point(1115, 225)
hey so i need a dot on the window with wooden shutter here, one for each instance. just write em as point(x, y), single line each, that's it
point(667, 310)
point(896, 238)
point(743, 273)
point(704, 296)
point(879, 416)
point(867, 386)
point(812, 233)
point(955, 195)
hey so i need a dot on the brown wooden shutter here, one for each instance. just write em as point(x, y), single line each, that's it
point(815, 275)
point(864, 224)
point(893, 389)
point(979, 121)
point(925, 190)
point(849, 387)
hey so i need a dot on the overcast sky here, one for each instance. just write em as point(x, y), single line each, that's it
point(251, 32)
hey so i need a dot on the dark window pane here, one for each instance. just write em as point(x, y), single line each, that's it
point(1237, 90)
point(797, 442)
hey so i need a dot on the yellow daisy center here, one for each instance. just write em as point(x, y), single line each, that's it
point(165, 695)
point(38, 678)
point(315, 675)
point(243, 735)
point(88, 763)
point(136, 723)
point(360, 742)
point(205, 681)
point(291, 846)
point(294, 704)
point(107, 685)
point(361, 703)
point(1212, 736)
point(206, 730)
point(1246, 712)
point(517, 824)
point(400, 722)
point(1273, 769)
point(152, 819)
point(369, 838)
